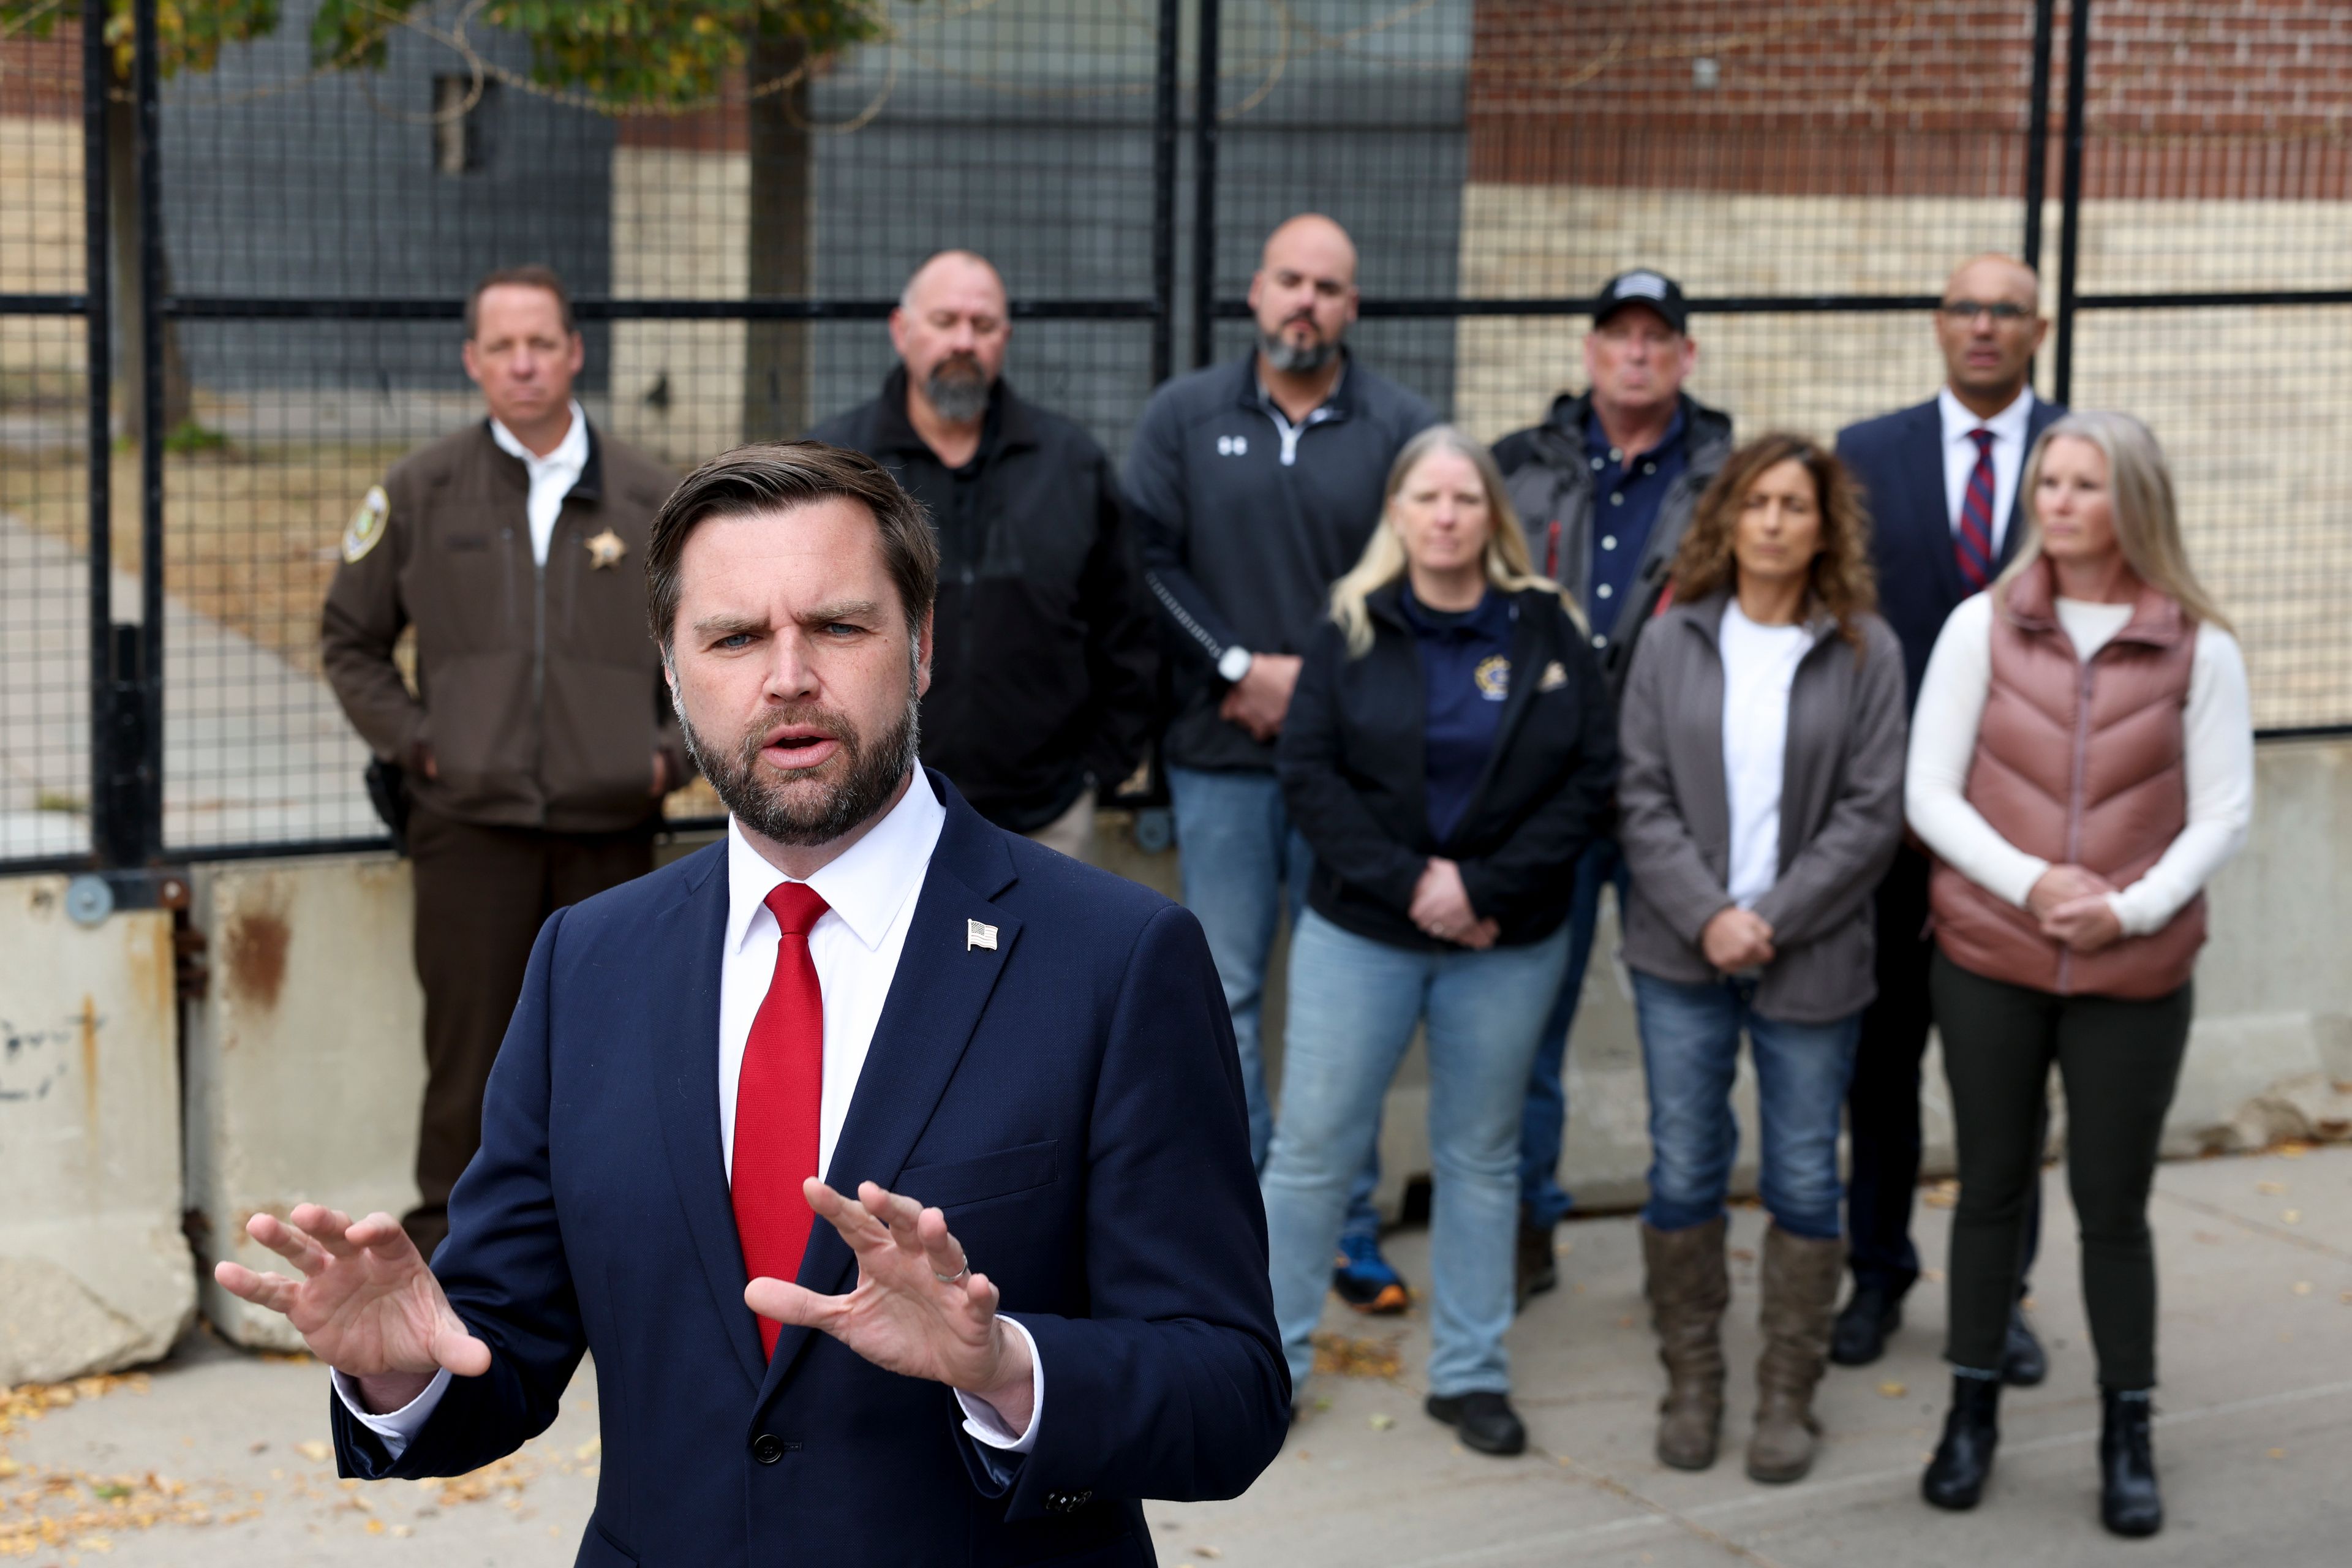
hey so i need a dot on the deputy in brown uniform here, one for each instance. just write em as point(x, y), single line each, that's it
point(538, 740)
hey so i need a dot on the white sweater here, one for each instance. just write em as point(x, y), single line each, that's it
point(2217, 732)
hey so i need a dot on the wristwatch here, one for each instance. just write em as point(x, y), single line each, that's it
point(1234, 663)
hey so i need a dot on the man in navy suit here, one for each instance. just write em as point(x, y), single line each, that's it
point(1941, 480)
point(1000, 1059)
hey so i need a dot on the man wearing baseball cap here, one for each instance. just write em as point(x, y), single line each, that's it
point(1604, 487)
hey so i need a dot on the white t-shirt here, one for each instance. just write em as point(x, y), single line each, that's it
point(1759, 663)
point(2217, 732)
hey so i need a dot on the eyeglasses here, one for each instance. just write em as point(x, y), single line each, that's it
point(2002, 313)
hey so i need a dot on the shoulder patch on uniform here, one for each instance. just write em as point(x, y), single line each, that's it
point(367, 525)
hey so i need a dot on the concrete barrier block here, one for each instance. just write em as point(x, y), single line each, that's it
point(304, 1060)
point(94, 1271)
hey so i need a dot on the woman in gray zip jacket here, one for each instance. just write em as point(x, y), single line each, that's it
point(1761, 738)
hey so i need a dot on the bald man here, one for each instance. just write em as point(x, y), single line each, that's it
point(1941, 480)
point(1044, 678)
point(1255, 484)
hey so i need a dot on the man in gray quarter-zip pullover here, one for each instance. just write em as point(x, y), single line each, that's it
point(1253, 485)
point(533, 750)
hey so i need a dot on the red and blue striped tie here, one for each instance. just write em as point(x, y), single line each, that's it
point(1973, 544)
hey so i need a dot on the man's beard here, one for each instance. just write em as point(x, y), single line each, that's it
point(1295, 359)
point(872, 772)
point(957, 389)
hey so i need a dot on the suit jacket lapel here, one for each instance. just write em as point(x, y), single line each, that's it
point(2038, 419)
point(941, 986)
point(1923, 459)
point(685, 1096)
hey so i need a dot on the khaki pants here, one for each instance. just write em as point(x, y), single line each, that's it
point(1073, 832)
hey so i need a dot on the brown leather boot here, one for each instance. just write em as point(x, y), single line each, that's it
point(1688, 1289)
point(1799, 1290)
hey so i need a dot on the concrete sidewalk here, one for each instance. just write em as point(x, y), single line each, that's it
point(2255, 1424)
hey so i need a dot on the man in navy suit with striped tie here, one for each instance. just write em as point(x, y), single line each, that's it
point(893, 1167)
point(1941, 480)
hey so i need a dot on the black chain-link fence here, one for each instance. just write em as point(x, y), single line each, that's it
point(229, 323)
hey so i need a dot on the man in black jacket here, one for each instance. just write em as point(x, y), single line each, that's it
point(1043, 676)
point(1942, 480)
point(1254, 485)
point(1604, 487)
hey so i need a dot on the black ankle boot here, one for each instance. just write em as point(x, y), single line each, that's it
point(2128, 1501)
point(1956, 1477)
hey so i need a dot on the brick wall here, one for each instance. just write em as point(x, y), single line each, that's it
point(2188, 98)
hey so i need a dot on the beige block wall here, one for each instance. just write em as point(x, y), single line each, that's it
point(2248, 400)
point(40, 253)
point(681, 230)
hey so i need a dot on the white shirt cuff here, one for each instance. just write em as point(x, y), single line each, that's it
point(980, 1417)
point(398, 1428)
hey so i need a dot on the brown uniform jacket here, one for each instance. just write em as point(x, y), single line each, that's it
point(538, 689)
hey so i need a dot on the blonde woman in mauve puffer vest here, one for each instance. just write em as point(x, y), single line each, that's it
point(2082, 763)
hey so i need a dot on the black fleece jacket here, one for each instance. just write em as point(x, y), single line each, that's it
point(1353, 771)
point(1044, 664)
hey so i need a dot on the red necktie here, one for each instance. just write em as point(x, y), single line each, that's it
point(1974, 541)
point(777, 1096)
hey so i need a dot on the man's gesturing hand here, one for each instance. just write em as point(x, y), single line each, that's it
point(366, 1304)
point(914, 1310)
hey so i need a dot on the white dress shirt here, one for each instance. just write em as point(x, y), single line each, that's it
point(2008, 428)
point(1759, 665)
point(2218, 764)
point(870, 891)
point(551, 477)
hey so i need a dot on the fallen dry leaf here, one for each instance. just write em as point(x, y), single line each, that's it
point(2303, 1287)
point(1211, 1552)
point(2278, 1453)
point(1943, 1194)
point(1346, 1357)
point(315, 1449)
point(1382, 1422)
point(2270, 1189)
point(1893, 1390)
point(2290, 1217)
point(375, 1527)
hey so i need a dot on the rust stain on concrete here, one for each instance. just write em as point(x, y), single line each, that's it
point(89, 1064)
point(257, 941)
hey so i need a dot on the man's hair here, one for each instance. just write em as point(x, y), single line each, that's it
point(779, 476)
point(1841, 579)
point(535, 276)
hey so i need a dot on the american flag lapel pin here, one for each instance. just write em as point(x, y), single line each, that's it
point(977, 935)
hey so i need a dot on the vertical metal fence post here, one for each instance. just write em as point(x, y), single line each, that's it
point(1164, 89)
point(1204, 192)
point(2037, 130)
point(144, 80)
point(2070, 193)
point(98, 391)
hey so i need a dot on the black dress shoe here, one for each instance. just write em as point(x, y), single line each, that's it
point(1486, 1421)
point(1859, 1335)
point(2022, 1363)
point(2130, 1503)
point(1956, 1477)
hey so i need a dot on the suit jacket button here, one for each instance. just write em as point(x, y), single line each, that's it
point(767, 1448)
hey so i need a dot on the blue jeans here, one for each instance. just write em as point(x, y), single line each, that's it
point(1545, 1121)
point(1353, 1004)
point(1243, 863)
point(1690, 1049)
